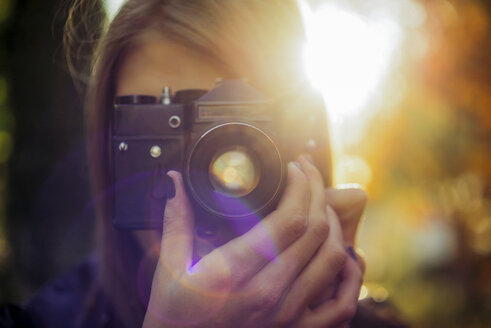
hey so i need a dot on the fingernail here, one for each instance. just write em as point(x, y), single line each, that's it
point(297, 164)
point(171, 190)
point(351, 252)
point(309, 158)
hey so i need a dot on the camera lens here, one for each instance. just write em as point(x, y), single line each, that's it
point(234, 172)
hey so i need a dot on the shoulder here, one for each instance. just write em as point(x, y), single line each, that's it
point(73, 300)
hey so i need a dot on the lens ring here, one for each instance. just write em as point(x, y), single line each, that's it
point(227, 135)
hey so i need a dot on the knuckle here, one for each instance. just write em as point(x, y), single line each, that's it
point(297, 224)
point(320, 228)
point(361, 196)
point(266, 299)
point(338, 258)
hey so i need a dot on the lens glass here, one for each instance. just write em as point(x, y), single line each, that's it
point(234, 172)
point(226, 171)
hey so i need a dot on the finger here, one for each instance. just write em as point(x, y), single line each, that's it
point(320, 272)
point(279, 275)
point(296, 196)
point(287, 267)
point(358, 257)
point(177, 236)
point(249, 253)
point(349, 205)
point(290, 263)
point(340, 310)
point(317, 198)
point(360, 260)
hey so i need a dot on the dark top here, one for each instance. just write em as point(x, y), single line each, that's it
point(73, 300)
point(76, 300)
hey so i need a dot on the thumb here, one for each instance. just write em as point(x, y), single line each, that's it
point(349, 205)
point(178, 231)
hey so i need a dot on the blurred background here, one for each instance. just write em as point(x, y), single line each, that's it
point(407, 86)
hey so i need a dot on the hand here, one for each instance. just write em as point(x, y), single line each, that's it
point(339, 300)
point(250, 281)
point(337, 303)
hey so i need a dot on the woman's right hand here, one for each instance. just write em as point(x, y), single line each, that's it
point(265, 278)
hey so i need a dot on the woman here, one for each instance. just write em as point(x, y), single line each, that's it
point(188, 44)
point(313, 277)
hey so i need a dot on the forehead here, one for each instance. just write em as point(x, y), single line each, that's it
point(155, 61)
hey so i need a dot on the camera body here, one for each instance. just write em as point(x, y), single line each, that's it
point(231, 144)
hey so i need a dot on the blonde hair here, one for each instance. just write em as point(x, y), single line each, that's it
point(258, 39)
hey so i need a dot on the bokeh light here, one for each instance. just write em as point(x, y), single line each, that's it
point(353, 56)
point(407, 90)
point(348, 55)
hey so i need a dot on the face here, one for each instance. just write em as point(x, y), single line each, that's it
point(157, 62)
point(152, 64)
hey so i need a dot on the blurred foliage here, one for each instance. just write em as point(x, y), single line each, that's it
point(5, 9)
point(427, 236)
point(6, 142)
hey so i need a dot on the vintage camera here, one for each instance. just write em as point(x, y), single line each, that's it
point(231, 144)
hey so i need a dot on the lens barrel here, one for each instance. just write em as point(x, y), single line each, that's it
point(224, 170)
